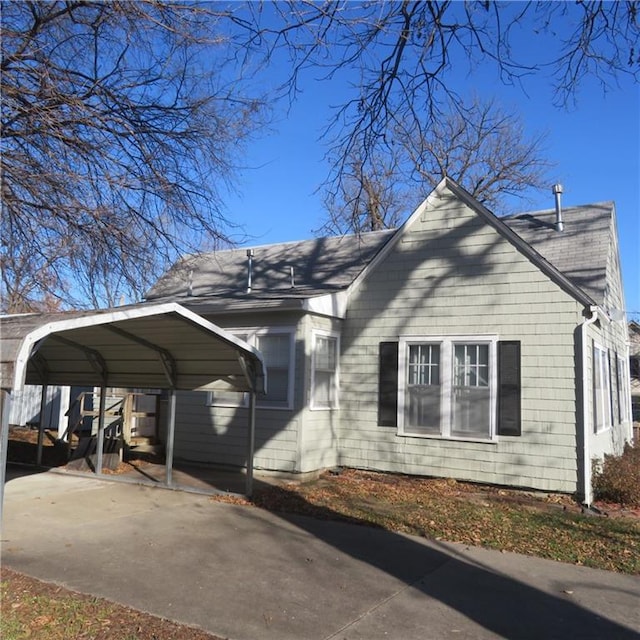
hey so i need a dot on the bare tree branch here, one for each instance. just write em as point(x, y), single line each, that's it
point(483, 148)
point(120, 123)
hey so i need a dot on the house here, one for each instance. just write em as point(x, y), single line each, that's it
point(460, 345)
point(634, 365)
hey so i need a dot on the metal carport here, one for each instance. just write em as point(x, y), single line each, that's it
point(163, 346)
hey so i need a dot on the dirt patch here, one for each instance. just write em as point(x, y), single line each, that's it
point(35, 609)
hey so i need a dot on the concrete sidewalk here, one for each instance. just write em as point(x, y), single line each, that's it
point(247, 574)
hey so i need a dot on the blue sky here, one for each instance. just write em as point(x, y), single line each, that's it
point(594, 145)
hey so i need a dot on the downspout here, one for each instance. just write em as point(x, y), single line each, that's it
point(586, 423)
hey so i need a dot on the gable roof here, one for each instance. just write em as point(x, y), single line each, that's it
point(320, 266)
point(576, 259)
point(580, 251)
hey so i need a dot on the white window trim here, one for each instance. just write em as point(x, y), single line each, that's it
point(447, 344)
point(252, 334)
point(243, 399)
point(336, 378)
point(605, 373)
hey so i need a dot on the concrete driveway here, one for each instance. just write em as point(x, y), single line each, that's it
point(247, 574)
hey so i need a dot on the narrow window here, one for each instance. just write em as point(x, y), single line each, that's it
point(324, 389)
point(277, 351)
point(601, 390)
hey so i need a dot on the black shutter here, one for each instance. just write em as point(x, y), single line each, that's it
point(388, 384)
point(509, 422)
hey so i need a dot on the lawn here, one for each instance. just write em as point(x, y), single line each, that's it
point(550, 526)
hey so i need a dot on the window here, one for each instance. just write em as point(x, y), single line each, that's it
point(448, 387)
point(623, 390)
point(324, 376)
point(601, 389)
point(277, 350)
point(471, 410)
point(276, 346)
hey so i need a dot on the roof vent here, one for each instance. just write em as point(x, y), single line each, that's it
point(250, 267)
point(557, 192)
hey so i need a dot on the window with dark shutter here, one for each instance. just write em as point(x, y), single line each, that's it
point(388, 384)
point(509, 422)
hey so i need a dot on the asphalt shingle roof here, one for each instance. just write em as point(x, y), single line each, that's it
point(580, 251)
point(320, 266)
point(325, 265)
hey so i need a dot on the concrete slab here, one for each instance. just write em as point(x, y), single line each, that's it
point(244, 573)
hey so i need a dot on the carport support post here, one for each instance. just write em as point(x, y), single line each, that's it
point(171, 429)
point(5, 411)
point(252, 442)
point(100, 451)
point(43, 408)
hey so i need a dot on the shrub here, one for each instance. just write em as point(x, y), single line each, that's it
point(617, 478)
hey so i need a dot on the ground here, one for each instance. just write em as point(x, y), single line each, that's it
point(547, 525)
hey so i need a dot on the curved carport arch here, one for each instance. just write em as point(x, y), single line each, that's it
point(162, 346)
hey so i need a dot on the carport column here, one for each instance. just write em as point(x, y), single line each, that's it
point(5, 409)
point(252, 442)
point(43, 407)
point(171, 429)
point(103, 400)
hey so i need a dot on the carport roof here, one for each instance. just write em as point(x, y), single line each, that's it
point(136, 346)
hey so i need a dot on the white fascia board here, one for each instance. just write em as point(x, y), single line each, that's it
point(333, 305)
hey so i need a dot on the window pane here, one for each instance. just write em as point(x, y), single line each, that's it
point(322, 392)
point(424, 364)
point(325, 356)
point(471, 400)
point(275, 349)
point(278, 386)
point(422, 403)
point(471, 412)
point(471, 365)
point(324, 375)
point(422, 412)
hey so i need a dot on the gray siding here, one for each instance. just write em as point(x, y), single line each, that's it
point(319, 436)
point(613, 336)
point(454, 274)
point(218, 435)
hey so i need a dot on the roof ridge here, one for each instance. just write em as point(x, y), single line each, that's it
point(551, 211)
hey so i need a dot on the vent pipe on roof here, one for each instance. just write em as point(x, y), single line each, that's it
point(293, 279)
point(557, 192)
point(250, 266)
point(190, 285)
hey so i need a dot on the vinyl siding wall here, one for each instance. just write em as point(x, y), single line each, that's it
point(319, 436)
point(613, 337)
point(452, 273)
point(219, 435)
